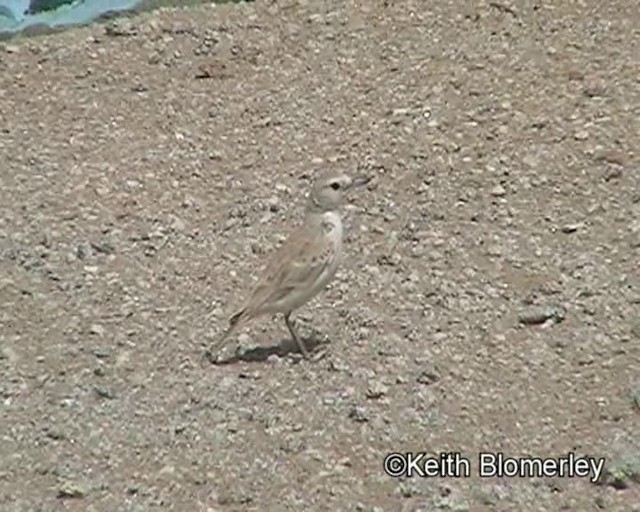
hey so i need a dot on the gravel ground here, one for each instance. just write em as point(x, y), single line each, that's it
point(489, 300)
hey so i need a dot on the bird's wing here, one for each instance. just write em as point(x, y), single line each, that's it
point(297, 264)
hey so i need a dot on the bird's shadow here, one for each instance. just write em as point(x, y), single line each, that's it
point(261, 354)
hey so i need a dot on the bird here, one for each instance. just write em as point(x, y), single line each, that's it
point(304, 264)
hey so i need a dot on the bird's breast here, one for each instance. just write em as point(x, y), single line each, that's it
point(332, 225)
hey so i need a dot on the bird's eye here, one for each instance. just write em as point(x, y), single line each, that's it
point(335, 185)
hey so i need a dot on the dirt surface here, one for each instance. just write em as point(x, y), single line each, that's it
point(490, 296)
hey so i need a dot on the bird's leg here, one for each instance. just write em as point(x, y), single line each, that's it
point(295, 336)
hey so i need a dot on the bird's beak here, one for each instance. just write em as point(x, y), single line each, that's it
point(360, 180)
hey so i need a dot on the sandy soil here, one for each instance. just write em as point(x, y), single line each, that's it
point(489, 300)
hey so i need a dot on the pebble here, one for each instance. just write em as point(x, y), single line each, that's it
point(104, 392)
point(363, 333)
point(359, 414)
point(101, 352)
point(540, 314)
point(612, 156)
point(428, 375)
point(250, 375)
point(55, 433)
point(571, 228)
point(498, 191)
point(274, 204)
point(177, 224)
point(81, 251)
point(70, 489)
point(244, 340)
point(338, 366)
point(274, 359)
point(167, 471)
point(97, 329)
point(376, 390)
point(417, 251)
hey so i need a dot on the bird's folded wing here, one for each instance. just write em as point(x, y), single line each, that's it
point(296, 265)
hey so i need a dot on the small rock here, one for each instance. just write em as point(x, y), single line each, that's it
point(115, 29)
point(428, 375)
point(363, 333)
point(581, 135)
point(240, 498)
point(612, 156)
point(212, 68)
point(104, 392)
point(594, 88)
point(418, 251)
point(274, 359)
point(635, 329)
point(359, 414)
point(376, 390)
point(103, 247)
point(613, 174)
point(498, 191)
point(273, 203)
point(338, 366)
point(81, 252)
point(244, 339)
point(102, 353)
point(390, 260)
point(11, 48)
point(55, 433)
point(167, 471)
point(571, 228)
point(70, 489)
point(177, 224)
point(407, 489)
point(454, 504)
point(97, 329)
point(250, 375)
point(540, 314)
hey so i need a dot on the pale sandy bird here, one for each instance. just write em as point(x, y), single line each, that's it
point(305, 263)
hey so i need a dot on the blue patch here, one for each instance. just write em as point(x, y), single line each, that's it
point(18, 15)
